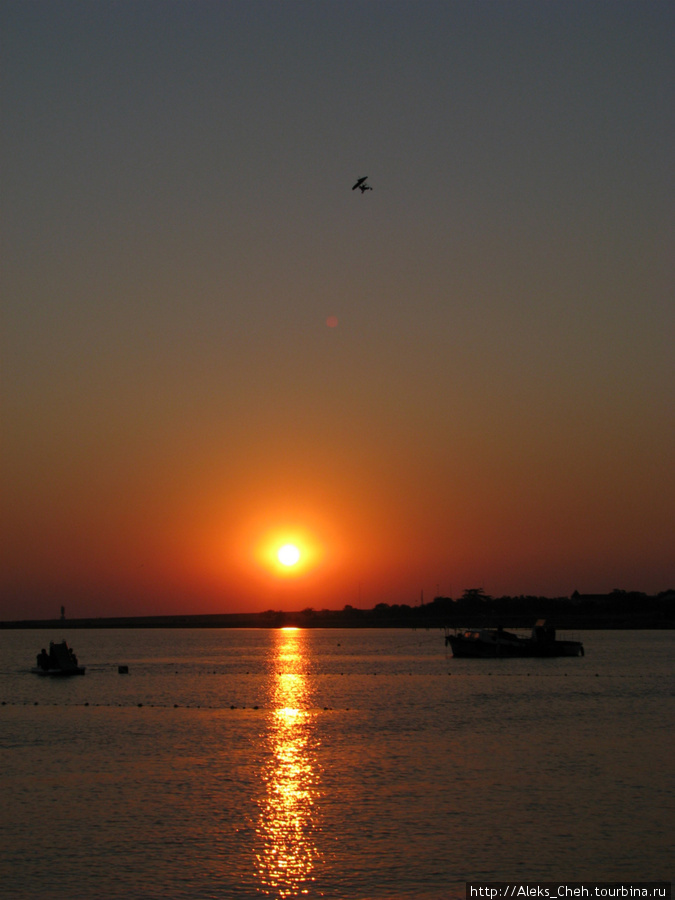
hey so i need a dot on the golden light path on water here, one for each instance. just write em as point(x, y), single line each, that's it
point(288, 816)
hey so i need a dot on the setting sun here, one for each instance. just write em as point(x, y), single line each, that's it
point(289, 552)
point(288, 555)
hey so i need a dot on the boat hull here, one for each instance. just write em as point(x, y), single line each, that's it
point(58, 673)
point(489, 644)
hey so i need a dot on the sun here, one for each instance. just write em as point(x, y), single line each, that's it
point(288, 555)
point(289, 552)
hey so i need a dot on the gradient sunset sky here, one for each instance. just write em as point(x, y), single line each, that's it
point(495, 406)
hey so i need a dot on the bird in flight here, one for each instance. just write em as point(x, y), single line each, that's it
point(361, 185)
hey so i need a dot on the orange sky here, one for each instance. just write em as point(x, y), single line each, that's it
point(493, 408)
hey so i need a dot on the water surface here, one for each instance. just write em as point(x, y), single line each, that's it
point(361, 764)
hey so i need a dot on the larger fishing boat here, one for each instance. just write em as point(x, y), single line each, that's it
point(488, 643)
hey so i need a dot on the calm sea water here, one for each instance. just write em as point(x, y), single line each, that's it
point(319, 763)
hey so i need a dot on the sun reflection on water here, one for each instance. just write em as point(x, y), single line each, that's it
point(288, 854)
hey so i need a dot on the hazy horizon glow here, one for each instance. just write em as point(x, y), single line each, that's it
point(495, 407)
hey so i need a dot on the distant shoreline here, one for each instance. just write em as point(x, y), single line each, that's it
point(415, 617)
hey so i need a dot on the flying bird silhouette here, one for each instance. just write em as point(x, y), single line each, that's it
point(361, 185)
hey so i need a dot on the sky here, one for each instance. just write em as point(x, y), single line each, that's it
point(213, 346)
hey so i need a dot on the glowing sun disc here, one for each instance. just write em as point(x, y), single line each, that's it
point(288, 555)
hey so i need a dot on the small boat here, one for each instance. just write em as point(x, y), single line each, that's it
point(488, 643)
point(59, 662)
